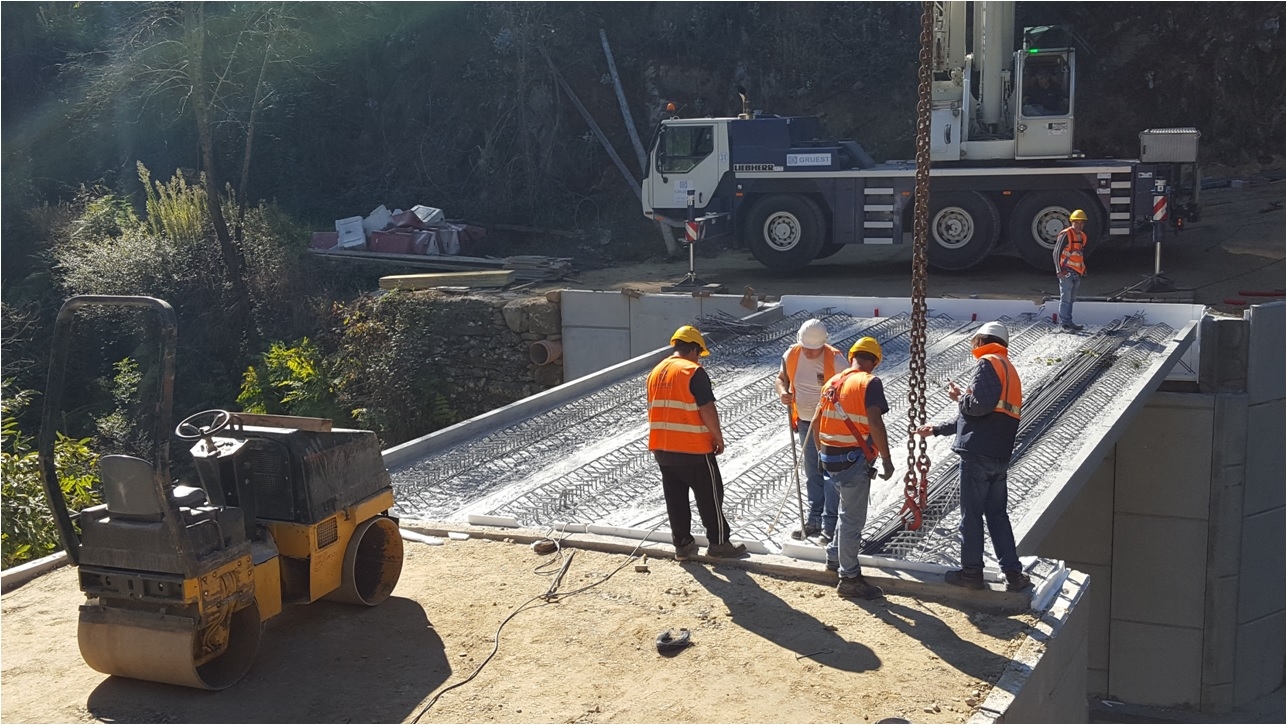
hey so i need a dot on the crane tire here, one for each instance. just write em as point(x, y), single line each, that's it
point(963, 228)
point(1038, 218)
point(785, 231)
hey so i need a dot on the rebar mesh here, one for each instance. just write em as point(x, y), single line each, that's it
point(587, 461)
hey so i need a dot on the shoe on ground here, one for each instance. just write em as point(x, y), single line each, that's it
point(726, 550)
point(686, 552)
point(833, 565)
point(809, 532)
point(1072, 327)
point(1017, 581)
point(968, 578)
point(858, 588)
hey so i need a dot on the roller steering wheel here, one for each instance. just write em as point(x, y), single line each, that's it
point(188, 430)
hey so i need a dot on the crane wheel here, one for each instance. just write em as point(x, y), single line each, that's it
point(963, 228)
point(372, 563)
point(1038, 218)
point(146, 645)
point(785, 231)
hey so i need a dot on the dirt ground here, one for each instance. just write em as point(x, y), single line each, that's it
point(1237, 247)
point(765, 650)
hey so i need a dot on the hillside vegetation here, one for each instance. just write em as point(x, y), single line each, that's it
point(184, 150)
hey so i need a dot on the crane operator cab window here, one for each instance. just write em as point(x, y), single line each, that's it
point(682, 148)
point(1045, 88)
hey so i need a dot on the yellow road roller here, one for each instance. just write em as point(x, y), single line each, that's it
point(180, 579)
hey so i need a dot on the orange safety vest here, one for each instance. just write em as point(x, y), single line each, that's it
point(673, 421)
point(829, 354)
point(842, 419)
point(1073, 255)
point(1011, 401)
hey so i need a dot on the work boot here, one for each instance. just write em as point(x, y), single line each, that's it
point(1073, 327)
point(810, 530)
point(1017, 581)
point(726, 550)
point(833, 565)
point(686, 552)
point(968, 578)
point(858, 587)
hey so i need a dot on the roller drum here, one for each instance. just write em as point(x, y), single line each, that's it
point(161, 648)
point(372, 563)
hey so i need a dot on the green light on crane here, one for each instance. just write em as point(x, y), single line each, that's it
point(1034, 51)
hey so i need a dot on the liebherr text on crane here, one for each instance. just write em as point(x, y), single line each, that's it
point(1005, 173)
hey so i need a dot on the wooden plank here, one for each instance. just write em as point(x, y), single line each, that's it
point(446, 260)
point(316, 425)
point(497, 278)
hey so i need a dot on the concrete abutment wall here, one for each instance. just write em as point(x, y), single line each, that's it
point(1181, 529)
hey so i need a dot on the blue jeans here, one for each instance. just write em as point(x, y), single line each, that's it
point(823, 498)
point(1068, 285)
point(853, 486)
point(983, 498)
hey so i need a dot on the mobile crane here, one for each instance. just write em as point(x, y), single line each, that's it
point(1006, 170)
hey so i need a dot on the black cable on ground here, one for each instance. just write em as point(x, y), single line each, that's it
point(550, 595)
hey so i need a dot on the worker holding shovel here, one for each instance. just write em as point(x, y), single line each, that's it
point(684, 436)
point(806, 366)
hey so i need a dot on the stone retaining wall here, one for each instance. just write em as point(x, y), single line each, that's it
point(491, 366)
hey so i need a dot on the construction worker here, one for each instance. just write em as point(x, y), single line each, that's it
point(806, 366)
point(684, 436)
point(850, 433)
point(1070, 265)
point(985, 429)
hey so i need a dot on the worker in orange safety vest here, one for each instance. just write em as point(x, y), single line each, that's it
point(806, 366)
point(1070, 266)
point(986, 425)
point(850, 430)
point(684, 436)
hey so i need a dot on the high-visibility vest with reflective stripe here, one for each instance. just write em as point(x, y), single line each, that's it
point(1073, 254)
point(849, 388)
point(673, 421)
point(1011, 401)
point(829, 354)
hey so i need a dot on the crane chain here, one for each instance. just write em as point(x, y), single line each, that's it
point(915, 481)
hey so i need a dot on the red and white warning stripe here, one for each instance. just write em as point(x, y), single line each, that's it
point(694, 230)
point(1159, 208)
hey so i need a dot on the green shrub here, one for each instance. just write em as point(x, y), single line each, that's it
point(29, 531)
point(290, 380)
point(385, 366)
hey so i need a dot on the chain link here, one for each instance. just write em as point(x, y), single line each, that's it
point(918, 462)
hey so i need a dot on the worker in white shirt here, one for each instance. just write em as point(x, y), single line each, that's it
point(806, 366)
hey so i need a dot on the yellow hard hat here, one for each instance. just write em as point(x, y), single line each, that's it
point(1077, 216)
point(688, 333)
point(867, 345)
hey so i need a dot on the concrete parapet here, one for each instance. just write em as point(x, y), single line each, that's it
point(1265, 356)
point(1046, 678)
point(1223, 360)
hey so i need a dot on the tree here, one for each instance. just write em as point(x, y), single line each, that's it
point(216, 65)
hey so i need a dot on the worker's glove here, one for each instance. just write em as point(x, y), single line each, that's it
point(887, 467)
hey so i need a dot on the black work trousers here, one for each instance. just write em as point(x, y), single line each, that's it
point(703, 479)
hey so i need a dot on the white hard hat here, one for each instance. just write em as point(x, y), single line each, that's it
point(995, 329)
point(812, 334)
